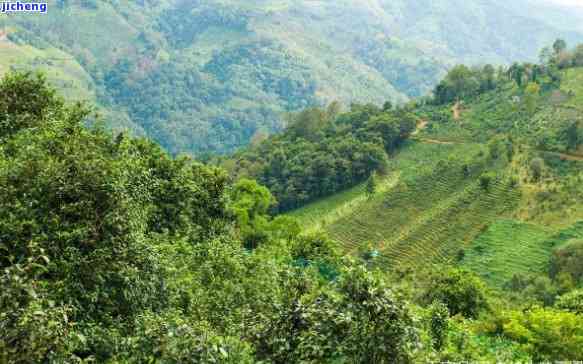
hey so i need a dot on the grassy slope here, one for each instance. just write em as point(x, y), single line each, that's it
point(61, 68)
point(433, 213)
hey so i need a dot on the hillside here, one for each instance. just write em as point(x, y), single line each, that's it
point(451, 231)
point(494, 185)
point(209, 75)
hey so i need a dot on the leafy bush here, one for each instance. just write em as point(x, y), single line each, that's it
point(461, 291)
point(547, 334)
point(572, 301)
point(567, 259)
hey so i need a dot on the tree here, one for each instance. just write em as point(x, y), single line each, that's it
point(438, 324)
point(42, 104)
point(531, 96)
point(358, 320)
point(546, 56)
point(572, 135)
point(567, 259)
point(559, 46)
point(578, 56)
point(547, 334)
point(250, 203)
point(488, 78)
point(516, 72)
point(486, 180)
point(459, 83)
point(461, 291)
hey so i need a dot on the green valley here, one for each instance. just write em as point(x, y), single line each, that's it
point(292, 182)
point(210, 75)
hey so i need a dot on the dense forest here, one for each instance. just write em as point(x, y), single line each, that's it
point(112, 250)
point(324, 151)
point(209, 76)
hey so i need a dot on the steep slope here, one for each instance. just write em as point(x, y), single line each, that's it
point(208, 75)
point(495, 190)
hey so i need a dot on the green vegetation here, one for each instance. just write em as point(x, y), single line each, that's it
point(112, 251)
point(322, 152)
point(210, 75)
point(508, 248)
point(458, 241)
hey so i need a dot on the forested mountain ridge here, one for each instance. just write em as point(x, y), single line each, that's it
point(210, 75)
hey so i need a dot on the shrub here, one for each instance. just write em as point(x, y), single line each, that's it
point(547, 334)
point(567, 259)
point(572, 301)
point(461, 291)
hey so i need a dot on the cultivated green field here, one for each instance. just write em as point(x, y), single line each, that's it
point(434, 207)
point(510, 247)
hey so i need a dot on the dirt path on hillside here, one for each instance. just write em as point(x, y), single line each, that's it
point(435, 141)
point(421, 124)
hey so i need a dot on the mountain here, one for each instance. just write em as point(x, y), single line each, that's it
point(464, 244)
point(210, 75)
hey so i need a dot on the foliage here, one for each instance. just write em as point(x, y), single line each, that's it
point(250, 203)
point(439, 324)
point(567, 259)
point(321, 152)
point(572, 301)
point(42, 103)
point(462, 83)
point(359, 320)
point(461, 291)
point(547, 334)
point(371, 184)
point(33, 326)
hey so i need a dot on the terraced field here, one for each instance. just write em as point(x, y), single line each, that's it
point(510, 247)
point(436, 208)
point(433, 208)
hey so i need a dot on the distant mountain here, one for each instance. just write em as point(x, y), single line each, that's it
point(209, 75)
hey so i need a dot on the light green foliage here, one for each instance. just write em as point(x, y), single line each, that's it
point(250, 203)
point(507, 248)
point(547, 334)
point(572, 302)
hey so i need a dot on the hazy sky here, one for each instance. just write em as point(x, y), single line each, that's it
point(578, 3)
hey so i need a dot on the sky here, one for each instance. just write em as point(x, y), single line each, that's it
point(577, 3)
